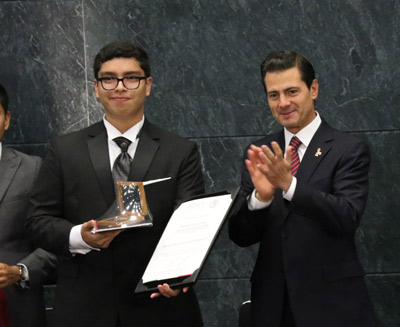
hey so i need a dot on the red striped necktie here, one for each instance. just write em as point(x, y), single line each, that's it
point(295, 143)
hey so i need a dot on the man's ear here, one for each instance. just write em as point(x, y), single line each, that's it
point(7, 120)
point(96, 88)
point(149, 82)
point(314, 89)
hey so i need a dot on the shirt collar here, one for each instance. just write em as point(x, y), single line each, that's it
point(306, 134)
point(131, 134)
point(1, 150)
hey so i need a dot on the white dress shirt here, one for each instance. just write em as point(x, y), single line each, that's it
point(305, 136)
point(76, 242)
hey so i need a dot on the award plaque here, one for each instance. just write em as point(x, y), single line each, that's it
point(128, 210)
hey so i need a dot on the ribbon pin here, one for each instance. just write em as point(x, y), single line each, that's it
point(318, 153)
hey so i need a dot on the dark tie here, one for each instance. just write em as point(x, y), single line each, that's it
point(295, 143)
point(122, 164)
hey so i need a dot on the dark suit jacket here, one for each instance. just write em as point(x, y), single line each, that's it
point(74, 186)
point(17, 174)
point(308, 243)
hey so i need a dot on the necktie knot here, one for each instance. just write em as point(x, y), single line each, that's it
point(123, 143)
point(295, 143)
point(122, 163)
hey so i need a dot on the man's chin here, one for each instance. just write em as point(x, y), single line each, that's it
point(288, 123)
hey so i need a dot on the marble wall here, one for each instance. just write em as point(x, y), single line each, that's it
point(205, 61)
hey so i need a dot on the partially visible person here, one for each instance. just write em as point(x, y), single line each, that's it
point(303, 193)
point(23, 269)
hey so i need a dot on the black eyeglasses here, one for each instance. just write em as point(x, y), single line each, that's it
point(129, 82)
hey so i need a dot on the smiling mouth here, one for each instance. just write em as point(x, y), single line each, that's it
point(287, 114)
point(118, 99)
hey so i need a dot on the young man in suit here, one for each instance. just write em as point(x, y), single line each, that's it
point(96, 284)
point(303, 207)
point(23, 270)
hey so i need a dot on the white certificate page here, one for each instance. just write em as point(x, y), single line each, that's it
point(187, 238)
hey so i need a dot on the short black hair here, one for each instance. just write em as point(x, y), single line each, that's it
point(282, 60)
point(122, 49)
point(4, 98)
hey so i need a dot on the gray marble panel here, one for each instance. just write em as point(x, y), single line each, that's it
point(42, 66)
point(221, 159)
point(206, 57)
point(191, 116)
point(378, 237)
point(220, 300)
point(385, 294)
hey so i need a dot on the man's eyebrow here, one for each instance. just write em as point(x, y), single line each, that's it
point(132, 72)
point(285, 90)
point(107, 73)
point(292, 87)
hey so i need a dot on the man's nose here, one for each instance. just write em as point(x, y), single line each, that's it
point(283, 101)
point(120, 86)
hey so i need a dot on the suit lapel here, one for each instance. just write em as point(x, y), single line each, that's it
point(98, 149)
point(316, 151)
point(9, 164)
point(145, 152)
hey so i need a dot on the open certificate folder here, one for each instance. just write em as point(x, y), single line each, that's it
point(185, 243)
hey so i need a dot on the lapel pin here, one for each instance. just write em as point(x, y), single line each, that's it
point(318, 153)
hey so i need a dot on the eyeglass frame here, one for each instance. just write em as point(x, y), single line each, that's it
point(139, 78)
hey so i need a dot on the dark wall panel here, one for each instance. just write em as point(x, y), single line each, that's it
point(205, 65)
point(42, 64)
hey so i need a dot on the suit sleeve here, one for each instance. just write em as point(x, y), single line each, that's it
point(44, 224)
point(340, 209)
point(190, 178)
point(40, 263)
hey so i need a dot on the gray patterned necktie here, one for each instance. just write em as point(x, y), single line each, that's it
point(122, 164)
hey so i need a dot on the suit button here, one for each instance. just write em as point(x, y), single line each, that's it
point(284, 234)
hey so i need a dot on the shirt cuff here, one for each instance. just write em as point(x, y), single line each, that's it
point(24, 283)
point(255, 204)
point(76, 243)
point(290, 192)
